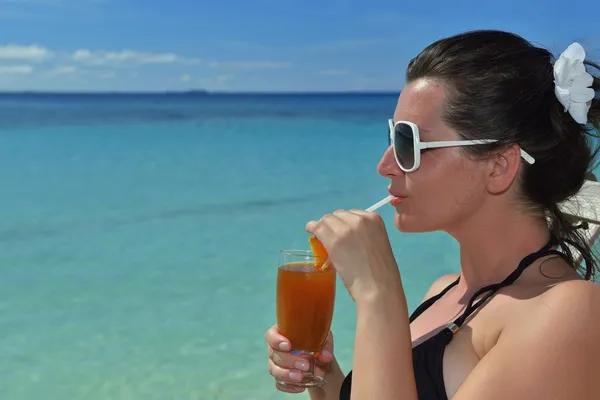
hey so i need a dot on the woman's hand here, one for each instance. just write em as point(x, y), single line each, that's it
point(287, 367)
point(359, 249)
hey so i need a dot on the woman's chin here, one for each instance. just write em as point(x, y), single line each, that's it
point(408, 223)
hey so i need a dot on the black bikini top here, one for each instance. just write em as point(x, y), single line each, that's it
point(428, 355)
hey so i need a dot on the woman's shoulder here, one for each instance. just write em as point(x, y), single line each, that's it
point(440, 284)
point(569, 307)
point(572, 296)
point(552, 336)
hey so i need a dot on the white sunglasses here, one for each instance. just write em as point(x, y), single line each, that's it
point(407, 146)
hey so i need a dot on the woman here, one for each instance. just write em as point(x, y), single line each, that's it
point(518, 322)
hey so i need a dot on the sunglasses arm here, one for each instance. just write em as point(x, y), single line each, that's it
point(431, 145)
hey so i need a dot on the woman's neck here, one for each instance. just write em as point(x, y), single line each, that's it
point(493, 244)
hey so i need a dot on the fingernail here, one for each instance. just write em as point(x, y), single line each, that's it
point(301, 365)
point(326, 353)
point(284, 346)
point(296, 376)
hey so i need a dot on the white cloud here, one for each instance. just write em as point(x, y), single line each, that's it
point(63, 70)
point(217, 79)
point(30, 53)
point(16, 70)
point(100, 57)
point(107, 75)
point(124, 56)
point(36, 67)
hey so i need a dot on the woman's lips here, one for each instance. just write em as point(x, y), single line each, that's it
point(396, 200)
point(397, 197)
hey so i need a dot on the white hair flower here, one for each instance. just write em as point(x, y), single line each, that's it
point(573, 83)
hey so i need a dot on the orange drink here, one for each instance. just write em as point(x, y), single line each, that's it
point(305, 302)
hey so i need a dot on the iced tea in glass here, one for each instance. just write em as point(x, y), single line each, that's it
point(305, 302)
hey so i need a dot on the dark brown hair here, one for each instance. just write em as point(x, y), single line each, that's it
point(502, 87)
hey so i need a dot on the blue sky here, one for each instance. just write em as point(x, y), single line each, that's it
point(265, 45)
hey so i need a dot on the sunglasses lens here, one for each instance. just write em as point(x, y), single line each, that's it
point(404, 145)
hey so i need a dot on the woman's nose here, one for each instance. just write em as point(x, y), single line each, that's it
point(388, 166)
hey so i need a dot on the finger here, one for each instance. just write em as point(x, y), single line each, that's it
point(322, 370)
point(311, 226)
point(277, 341)
point(321, 227)
point(283, 374)
point(329, 341)
point(335, 217)
point(289, 361)
point(360, 212)
point(289, 389)
point(368, 215)
point(326, 355)
point(330, 223)
point(323, 362)
point(343, 214)
point(348, 217)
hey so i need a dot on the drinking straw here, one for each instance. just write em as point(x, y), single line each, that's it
point(374, 207)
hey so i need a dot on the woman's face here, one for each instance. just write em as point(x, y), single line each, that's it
point(448, 187)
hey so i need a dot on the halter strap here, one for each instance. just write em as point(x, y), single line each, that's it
point(427, 303)
point(493, 288)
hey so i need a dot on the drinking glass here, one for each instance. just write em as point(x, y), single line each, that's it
point(305, 302)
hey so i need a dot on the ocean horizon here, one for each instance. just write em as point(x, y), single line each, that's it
point(141, 235)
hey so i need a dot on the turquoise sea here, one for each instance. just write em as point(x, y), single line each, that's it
point(140, 236)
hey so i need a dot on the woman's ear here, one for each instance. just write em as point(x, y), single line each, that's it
point(503, 169)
